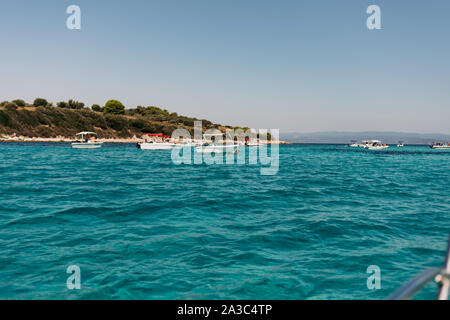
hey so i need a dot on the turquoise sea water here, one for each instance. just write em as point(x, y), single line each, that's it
point(140, 227)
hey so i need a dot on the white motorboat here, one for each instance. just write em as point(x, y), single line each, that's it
point(440, 145)
point(156, 145)
point(400, 144)
point(86, 140)
point(158, 141)
point(214, 148)
point(375, 145)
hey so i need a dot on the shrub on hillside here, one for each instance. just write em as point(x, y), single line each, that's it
point(5, 119)
point(75, 104)
point(62, 104)
point(114, 107)
point(40, 102)
point(27, 118)
point(116, 122)
point(44, 131)
point(96, 108)
point(138, 123)
point(11, 106)
point(19, 102)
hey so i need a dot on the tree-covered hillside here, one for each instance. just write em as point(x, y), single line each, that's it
point(113, 120)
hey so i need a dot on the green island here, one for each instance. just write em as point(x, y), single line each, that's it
point(45, 120)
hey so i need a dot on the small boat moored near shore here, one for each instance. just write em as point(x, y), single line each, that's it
point(86, 140)
point(159, 142)
point(155, 145)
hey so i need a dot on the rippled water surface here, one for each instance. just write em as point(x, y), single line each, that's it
point(141, 227)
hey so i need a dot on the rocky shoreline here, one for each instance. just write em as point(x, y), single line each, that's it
point(65, 139)
point(134, 139)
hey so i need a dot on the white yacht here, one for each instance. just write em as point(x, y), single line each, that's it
point(86, 140)
point(440, 145)
point(375, 145)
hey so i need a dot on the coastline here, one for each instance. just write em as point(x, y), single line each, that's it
point(133, 139)
point(65, 139)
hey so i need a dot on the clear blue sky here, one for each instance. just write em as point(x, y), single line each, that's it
point(301, 65)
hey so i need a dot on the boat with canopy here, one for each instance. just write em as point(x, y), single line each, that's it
point(86, 140)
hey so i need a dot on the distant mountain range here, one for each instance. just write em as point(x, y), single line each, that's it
point(346, 137)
